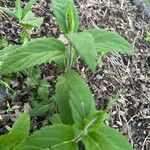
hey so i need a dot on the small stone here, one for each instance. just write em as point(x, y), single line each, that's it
point(98, 77)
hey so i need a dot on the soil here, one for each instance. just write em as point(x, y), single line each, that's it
point(128, 75)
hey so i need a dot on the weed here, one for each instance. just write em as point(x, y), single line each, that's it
point(81, 124)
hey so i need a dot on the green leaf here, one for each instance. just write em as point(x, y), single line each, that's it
point(43, 90)
point(48, 137)
point(18, 133)
point(66, 146)
point(31, 20)
point(98, 141)
point(112, 101)
point(90, 143)
point(66, 15)
point(33, 53)
point(74, 99)
point(115, 138)
point(106, 139)
point(22, 124)
point(94, 121)
point(7, 11)
point(41, 108)
point(28, 7)
point(18, 10)
point(3, 43)
point(9, 141)
point(85, 45)
point(4, 53)
point(148, 36)
point(55, 119)
point(62, 100)
point(107, 41)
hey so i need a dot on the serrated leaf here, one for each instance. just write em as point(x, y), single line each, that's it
point(33, 53)
point(28, 7)
point(55, 119)
point(66, 15)
point(62, 100)
point(31, 20)
point(8, 141)
point(22, 124)
point(48, 137)
point(85, 45)
point(18, 133)
point(43, 90)
point(74, 99)
point(18, 10)
point(7, 11)
point(4, 53)
point(107, 41)
point(115, 138)
point(41, 108)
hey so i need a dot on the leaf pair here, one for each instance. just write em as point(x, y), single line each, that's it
point(76, 107)
point(89, 42)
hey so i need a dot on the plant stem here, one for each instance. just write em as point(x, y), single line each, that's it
point(69, 59)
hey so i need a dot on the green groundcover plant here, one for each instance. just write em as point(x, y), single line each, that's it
point(148, 36)
point(25, 17)
point(81, 126)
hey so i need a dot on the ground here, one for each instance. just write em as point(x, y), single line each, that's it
point(128, 75)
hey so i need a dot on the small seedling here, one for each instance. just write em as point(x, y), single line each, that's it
point(25, 17)
point(148, 37)
point(81, 124)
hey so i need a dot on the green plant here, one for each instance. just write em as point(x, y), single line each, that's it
point(3, 43)
point(38, 92)
point(148, 36)
point(25, 17)
point(81, 124)
point(34, 82)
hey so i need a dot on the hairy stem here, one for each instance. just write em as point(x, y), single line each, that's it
point(69, 59)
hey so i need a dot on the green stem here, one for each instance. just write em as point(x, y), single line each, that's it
point(28, 33)
point(69, 59)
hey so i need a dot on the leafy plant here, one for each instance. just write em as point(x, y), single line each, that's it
point(38, 91)
point(34, 82)
point(81, 124)
point(3, 42)
point(25, 17)
point(148, 36)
